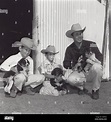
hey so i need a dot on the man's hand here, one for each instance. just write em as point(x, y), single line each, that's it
point(76, 66)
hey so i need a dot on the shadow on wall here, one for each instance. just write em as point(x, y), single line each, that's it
point(110, 29)
point(110, 42)
point(14, 24)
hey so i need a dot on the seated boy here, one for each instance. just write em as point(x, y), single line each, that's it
point(13, 83)
point(47, 66)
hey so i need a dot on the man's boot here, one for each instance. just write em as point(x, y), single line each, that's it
point(95, 94)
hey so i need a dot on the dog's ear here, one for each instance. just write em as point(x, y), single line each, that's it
point(57, 72)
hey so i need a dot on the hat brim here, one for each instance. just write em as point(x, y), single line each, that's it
point(18, 44)
point(69, 32)
point(44, 51)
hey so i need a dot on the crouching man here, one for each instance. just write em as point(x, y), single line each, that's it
point(72, 54)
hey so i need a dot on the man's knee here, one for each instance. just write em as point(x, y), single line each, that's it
point(97, 67)
point(71, 78)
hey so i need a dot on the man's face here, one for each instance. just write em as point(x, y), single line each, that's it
point(25, 51)
point(78, 36)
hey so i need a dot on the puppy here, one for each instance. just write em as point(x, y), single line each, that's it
point(58, 83)
point(20, 67)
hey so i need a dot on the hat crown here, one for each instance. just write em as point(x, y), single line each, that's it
point(76, 27)
point(51, 49)
point(27, 41)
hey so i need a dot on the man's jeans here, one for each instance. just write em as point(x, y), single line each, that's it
point(94, 75)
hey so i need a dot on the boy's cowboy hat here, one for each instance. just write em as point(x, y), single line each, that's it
point(25, 41)
point(75, 27)
point(49, 49)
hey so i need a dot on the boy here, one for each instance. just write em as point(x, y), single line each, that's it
point(46, 68)
point(25, 46)
point(13, 84)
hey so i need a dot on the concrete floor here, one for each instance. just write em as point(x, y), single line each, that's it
point(67, 104)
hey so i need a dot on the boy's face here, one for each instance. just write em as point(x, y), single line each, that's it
point(50, 56)
point(25, 52)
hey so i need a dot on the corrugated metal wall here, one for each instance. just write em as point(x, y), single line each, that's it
point(55, 17)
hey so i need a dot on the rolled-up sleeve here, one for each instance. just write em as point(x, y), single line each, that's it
point(8, 63)
point(31, 66)
point(98, 54)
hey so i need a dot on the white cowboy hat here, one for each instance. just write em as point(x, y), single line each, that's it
point(75, 27)
point(49, 49)
point(25, 41)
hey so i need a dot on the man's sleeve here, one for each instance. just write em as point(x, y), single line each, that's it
point(31, 67)
point(97, 52)
point(67, 59)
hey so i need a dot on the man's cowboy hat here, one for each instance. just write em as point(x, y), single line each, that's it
point(49, 49)
point(25, 41)
point(75, 27)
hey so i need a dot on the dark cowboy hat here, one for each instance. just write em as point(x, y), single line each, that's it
point(75, 27)
point(26, 42)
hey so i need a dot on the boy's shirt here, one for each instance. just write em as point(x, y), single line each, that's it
point(13, 60)
point(47, 67)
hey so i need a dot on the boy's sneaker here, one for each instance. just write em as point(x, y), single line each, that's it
point(13, 94)
point(28, 90)
point(95, 94)
point(7, 94)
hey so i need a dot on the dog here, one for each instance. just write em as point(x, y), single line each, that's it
point(58, 83)
point(16, 69)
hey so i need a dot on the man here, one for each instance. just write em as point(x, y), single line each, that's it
point(25, 46)
point(74, 52)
